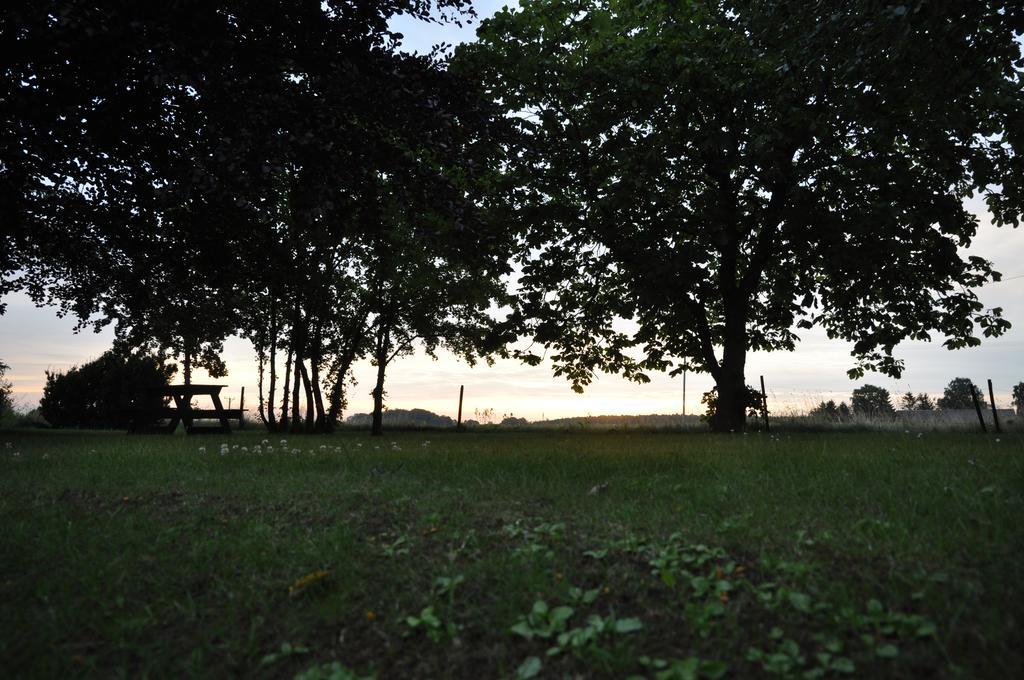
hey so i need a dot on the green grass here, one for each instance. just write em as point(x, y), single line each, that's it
point(684, 555)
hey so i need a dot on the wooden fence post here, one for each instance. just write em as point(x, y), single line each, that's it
point(764, 406)
point(977, 409)
point(458, 425)
point(241, 409)
point(992, 400)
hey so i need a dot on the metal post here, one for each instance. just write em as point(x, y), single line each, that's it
point(764, 406)
point(241, 409)
point(684, 391)
point(458, 425)
point(977, 408)
point(992, 400)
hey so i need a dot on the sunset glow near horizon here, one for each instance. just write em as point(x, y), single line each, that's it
point(34, 340)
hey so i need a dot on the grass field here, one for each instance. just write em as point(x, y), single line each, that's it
point(516, 554)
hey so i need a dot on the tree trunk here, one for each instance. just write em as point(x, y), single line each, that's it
point(188, 364)
point(309, 399)
point(296, 385)
point(731, 413)
point(322, 424)
point(271, 418)
point(283, 426)
point(381, 356)
point(378, 399)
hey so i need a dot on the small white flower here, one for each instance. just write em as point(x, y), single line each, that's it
point(265, 442)
point(245, 449)
point(46, 456)
point(8, 445)
point(202, 449)
point(270, 449)
point(284, 442)
point(997, 440)
point(359, 445)
point(296, 452)
point(323, 447)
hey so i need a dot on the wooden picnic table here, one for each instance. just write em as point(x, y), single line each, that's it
point(183, 412)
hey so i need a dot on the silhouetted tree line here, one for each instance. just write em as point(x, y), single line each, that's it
point(719, 173)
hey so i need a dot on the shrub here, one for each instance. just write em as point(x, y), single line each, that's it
point(751, 402)
point(98, 394)
point(6, 403)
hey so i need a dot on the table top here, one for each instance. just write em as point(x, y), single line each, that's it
point(190, 390)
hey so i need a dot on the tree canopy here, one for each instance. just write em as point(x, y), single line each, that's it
point(871, 401)
point(215, 168)
point(720, 173)
point(960, 393)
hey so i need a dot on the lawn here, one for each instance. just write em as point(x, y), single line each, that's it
point(670, 555)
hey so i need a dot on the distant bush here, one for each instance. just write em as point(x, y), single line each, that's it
point(398, 417)
point(829, 411)
point(871, 401)
point(512, 421)
point(6, 403)
point(27, 419)
point(919, 402)
point(97, 395)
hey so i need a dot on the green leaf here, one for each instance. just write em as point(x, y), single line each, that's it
point(523, 628)
point(800, 602)
point(842, 665)
point(628, 625)
point(560, 615)
point(713, 669)
point(529, 668)
point(887, 651)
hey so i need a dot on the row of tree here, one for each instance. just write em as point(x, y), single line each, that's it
point(719, 173)
point(871, 401)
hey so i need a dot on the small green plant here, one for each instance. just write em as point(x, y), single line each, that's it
point(397, 548)
point(431, 625)
point(691, 668)
point(286, 650)
point(534, 540)
point(334, 670)
point(543, 621)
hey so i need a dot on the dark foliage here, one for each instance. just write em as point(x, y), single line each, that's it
point(398, 417)
point(957, 395)
point(828, 410)
point(918, 402)
point(98, 395)
point(752, 403)
point(723, 172)
point(871, 401)
point(6, 403)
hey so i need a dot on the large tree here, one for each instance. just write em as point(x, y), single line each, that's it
point(206, 168)
point(720, 173)
point(960, 394)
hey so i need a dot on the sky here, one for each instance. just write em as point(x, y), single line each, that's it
point(33, 340)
